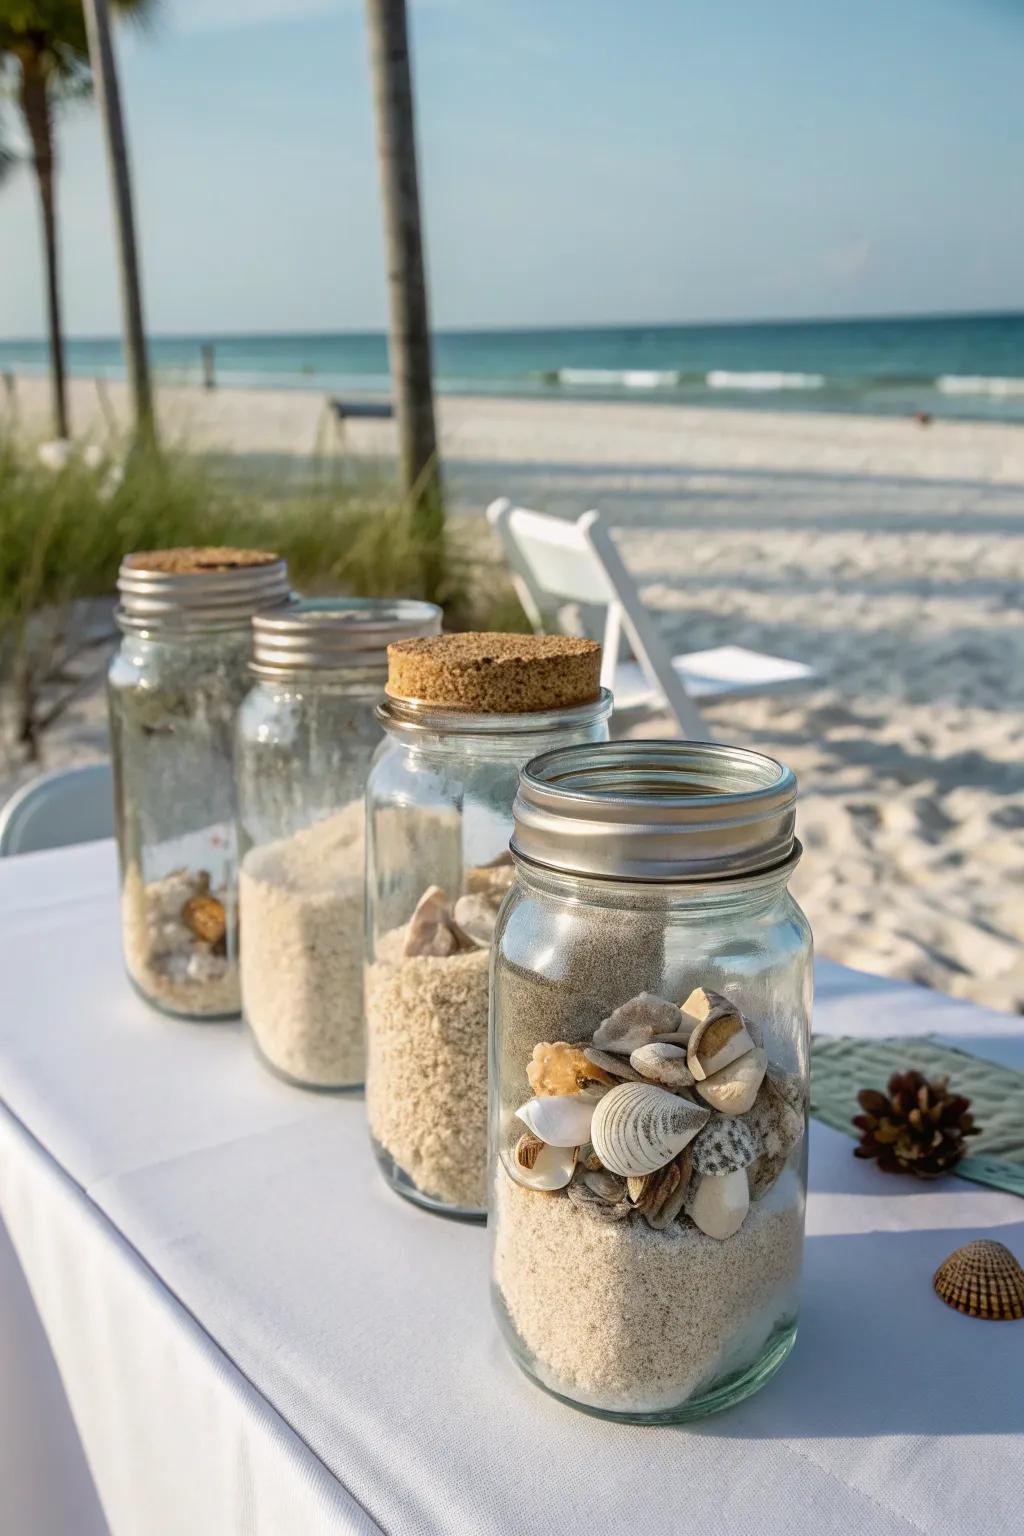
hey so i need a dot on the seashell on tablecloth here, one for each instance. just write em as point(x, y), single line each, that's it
point(638, 1127)
point(982, 1279)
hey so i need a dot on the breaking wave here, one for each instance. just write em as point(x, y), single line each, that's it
point(721, 378)
point(977, 384)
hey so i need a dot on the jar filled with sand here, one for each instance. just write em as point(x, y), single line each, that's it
point(462, 714)
point(174, 688)
point(306, 735)
point(650, 1034)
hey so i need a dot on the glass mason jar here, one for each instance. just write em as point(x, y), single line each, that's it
point(439, 815)
point(173, 689)
point(650, 1032)
point(306, 734)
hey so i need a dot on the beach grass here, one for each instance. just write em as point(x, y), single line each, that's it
point(63, 532)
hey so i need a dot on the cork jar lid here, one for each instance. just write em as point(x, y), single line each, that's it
point(495, 674)
point(161, 588)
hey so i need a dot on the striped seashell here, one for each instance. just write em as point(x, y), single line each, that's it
point(638, 1128)
point(982, 1279)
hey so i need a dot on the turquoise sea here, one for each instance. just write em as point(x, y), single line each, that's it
point(968, 365)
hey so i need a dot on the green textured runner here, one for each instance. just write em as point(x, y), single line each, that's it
point(842, 1064)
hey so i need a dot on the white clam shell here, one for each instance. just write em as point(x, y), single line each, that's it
point(663, 1062)
point(702, 1002)
point(562, 1120)
point(639, 1127)
point(717, 1042)
point(732, 1090)
point(551, 1168)
point(719, 1204)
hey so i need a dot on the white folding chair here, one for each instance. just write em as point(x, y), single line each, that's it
point(554, 562)
point(73, 805)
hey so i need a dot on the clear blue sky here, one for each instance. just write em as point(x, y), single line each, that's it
point(582, 161)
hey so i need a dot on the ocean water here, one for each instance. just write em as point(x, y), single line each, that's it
point(966, 366)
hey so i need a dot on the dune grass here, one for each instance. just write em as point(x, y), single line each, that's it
point(63, 532)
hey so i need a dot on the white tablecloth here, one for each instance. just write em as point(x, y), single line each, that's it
point(254, 1335)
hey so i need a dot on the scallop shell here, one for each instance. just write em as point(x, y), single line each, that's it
point(562, 1120)
point(983, 1279)
point(615, 1066)
point(719, 1204)
point(732, 1091)
point(723, 1146)
point(560, 1068)
point(637, 1127)
point(664, 1063)
point(638, 1022)
point(535, 1165)
point(717, 1042)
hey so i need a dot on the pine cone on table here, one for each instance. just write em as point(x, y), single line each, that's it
point(917, 1128)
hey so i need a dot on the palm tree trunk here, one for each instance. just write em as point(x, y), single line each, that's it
point(407, 289)
point(108, 95)
point(35, 105)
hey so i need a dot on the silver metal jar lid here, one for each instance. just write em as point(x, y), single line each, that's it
point(663, 811)
point(327, 634)
point(219, 588)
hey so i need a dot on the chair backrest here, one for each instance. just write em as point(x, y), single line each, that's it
point(578, 562)
point(75, 805)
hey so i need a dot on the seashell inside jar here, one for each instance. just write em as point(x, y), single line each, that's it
point(648, 1175)
point(462, 714)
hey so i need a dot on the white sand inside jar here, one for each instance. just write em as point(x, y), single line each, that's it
point(301, 931)
point(623, 1318)
point(426, 1078)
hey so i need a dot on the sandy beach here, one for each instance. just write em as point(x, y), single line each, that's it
point(888, 554)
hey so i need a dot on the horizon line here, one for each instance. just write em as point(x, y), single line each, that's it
point(912, 317)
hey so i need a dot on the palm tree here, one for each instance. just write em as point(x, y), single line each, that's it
point(407, 289)
point(45, 45)
point(108, 94)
